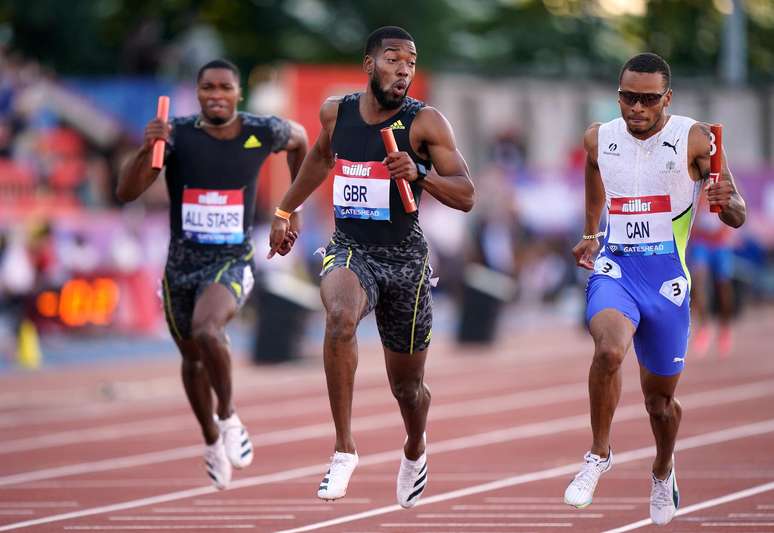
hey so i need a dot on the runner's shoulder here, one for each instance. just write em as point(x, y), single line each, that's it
point(260, 121)
point(184, 121)
point(591, 136)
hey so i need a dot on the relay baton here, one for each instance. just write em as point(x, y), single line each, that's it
point(406, 196)
point(158, 145)
point(716, 158)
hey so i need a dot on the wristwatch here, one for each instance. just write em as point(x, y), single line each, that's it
point(421, 171)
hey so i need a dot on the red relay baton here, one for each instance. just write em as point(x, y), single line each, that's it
point(406, 196)
point(158, 145)
point(716, 159)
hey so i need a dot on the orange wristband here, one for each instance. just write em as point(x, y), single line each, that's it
point(281, 214)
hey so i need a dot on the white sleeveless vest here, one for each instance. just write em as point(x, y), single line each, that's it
point(649, 179)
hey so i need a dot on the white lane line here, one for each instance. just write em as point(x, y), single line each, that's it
point(714, 502)
point(558, 499)
point(278, 501)
point(737, 524)
point(705, 439)
point(535, 398)
point(495, 404)
point(406, 526)
point(481, 439)
point(765, 506)
point(138, 397)
point(39, 505)
point(235, 509)
point(750, 515)
point(157, 527)
point(510, 515)
point(16, 512)
point(540, 507)
point(212, 518)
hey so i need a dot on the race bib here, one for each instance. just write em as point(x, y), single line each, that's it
point(640, 226)
point(213, 217)
point(361, 190)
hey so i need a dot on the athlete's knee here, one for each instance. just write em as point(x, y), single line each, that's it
point(191, 366)
point(608, 357)
point(206, 333)
point(661, 406)
point(341, 323)
point(410, 393)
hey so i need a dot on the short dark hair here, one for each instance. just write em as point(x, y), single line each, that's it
point(648, 62)
point(374, 41)
point(218, 63)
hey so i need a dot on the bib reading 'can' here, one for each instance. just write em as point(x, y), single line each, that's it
point(641, 269)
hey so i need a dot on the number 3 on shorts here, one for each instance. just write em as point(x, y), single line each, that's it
point(607, 267)
point(675, 290)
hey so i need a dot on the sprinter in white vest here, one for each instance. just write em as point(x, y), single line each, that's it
point(647, 168)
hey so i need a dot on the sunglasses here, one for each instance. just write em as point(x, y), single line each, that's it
point(647, 99)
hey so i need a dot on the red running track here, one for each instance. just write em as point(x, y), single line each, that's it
point(115, 448)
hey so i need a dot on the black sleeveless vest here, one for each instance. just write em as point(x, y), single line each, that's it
point(355, 140)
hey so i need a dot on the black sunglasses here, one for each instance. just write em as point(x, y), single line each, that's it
point(648, 99)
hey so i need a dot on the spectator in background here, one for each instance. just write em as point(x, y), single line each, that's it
point(711, 258)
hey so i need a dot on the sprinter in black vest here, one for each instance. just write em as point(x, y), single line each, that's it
point(212, 165)
point(378, 257)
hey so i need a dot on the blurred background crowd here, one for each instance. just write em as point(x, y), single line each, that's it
point(518, 79)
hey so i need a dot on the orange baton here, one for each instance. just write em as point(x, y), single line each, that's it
point(406, 196)
point(162, 112)
point(716, 158)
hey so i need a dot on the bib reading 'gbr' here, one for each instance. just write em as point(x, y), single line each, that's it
point(649, 191)
point(367, 207)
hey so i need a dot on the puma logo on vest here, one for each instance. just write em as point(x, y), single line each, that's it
point(672, 146)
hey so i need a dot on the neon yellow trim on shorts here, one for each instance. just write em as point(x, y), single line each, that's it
point(416, 305)
point(349, 256)
point(249, 255)
point(681, 228)
point(222, 270)
point(168, 308)
point(237, 288)
point(328, 261)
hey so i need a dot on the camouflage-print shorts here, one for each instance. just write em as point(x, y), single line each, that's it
point(192, 268)
point(396, 280)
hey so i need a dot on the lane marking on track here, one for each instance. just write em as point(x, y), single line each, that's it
point(214, 518)
point(706, 439)
point(629, 412)
point(540, 397)
point(406, 526)
point(540, 507)
point(157, 527)
point(511, 515)
point(714, 502)
point(510, 401)
point(39, 505)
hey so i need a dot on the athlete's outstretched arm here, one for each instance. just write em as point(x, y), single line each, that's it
point(586, 249)
point(449, 181)
point(297, 147)
point(314, 169)
point(724, 193)
point(137, 175)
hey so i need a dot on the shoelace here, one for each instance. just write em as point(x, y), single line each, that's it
point(662, 496)
point(590, 471)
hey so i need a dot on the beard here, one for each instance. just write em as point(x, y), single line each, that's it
point(215, 121)
point(385, 99)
